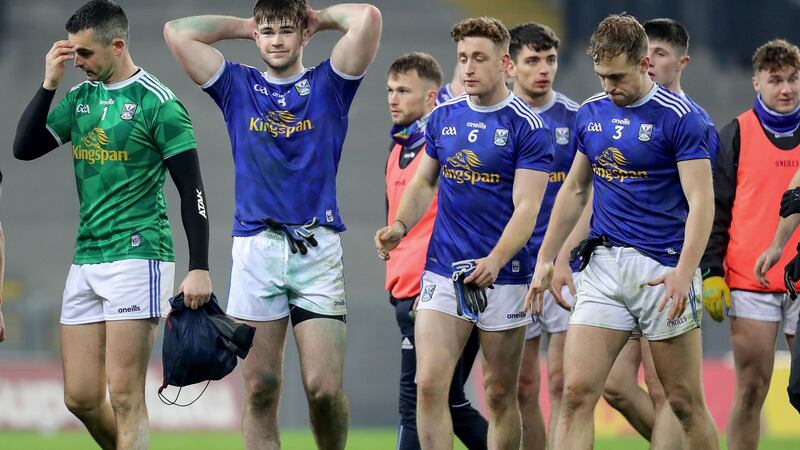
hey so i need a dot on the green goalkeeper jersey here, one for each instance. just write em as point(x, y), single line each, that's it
point(121, 133)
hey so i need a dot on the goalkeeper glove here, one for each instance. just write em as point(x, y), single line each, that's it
point(300, 237)
point(716, 297)
point(470, 299)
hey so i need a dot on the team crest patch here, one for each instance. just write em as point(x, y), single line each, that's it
point(427, 292)
point(500, 137)
point(562, 135)
point(645, 132)
point(303, 87)
point(128, 111)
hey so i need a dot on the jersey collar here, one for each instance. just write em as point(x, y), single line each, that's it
point(492, 108)
point(292, 79)
point(121, 84)
point(546, 107)
point(646, 98)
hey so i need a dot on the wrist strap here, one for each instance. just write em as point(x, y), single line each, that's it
point(405, 228)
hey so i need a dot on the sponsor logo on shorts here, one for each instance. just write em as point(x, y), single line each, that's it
point(129, 309)
point(517, 315)
point(676, 322)
point(338, 303)
point(427, 292)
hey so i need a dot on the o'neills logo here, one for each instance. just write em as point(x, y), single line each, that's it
point(279, 123)
point(91, 148)
point(462, 166)
point(610, 166)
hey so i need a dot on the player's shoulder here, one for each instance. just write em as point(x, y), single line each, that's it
point(699, 109)
point(566, 102)
point(522, 110)
point(83, 86)
point(152, 89)
point(454, 104)
point(671, 103)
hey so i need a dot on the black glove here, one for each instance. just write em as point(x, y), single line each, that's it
point(298, 235)
point(470, 299)
point(583, 251)
point(790, 202)
point(791, 274)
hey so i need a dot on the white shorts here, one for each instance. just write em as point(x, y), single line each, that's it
point(767, 307)
point(503, 309)
point(613, 293)
point(553, 319)
point(119, 290)
point(266, 277)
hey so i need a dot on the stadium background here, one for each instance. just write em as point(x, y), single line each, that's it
point(39, 207)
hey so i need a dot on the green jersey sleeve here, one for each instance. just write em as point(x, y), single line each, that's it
point(59, 119)
point(172, 129)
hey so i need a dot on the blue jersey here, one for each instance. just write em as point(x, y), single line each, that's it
point(478, 150)
point(712, 139)
point(634, 152)
point(559, 115)
point(286, 137)
point(444, 95)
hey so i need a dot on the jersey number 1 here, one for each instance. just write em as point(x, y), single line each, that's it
point(105, 110)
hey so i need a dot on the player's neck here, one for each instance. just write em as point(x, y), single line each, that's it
point(491, 98)
point(675, 86)
point(288, 72)
point(647, 85)
point(534, 101)
point(126, 70)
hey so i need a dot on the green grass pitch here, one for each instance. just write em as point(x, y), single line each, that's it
point(360, 439)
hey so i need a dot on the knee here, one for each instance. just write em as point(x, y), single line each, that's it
point(499, 397)
point(527, 391)
point(263, 392)
point(323, 396)
point(753, 391)
point(577, 396)
point(83, 406)
point(556, 386)
point(125, 400)
point(430, 390)
point(614, 394)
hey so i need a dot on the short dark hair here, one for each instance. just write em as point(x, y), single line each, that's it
point(536, 36)
point(291, 11)
point(776, 55)
point(618, 34)
point(105, 17)
point(426, 66)
point(485, 27)
point(669, 31)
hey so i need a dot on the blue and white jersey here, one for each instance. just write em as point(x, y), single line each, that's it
point(712, 139)
point(478, 150)
point(559, 115)
point(444, 95)
point(634, 152)
point(286, 137)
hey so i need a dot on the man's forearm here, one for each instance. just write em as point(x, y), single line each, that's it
point(211, 29)
point(786, 227)
point(415, 202)
point(698, 228)
point(567, 210)
point(517, 232)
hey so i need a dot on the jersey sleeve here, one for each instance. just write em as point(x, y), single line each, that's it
point(430, 139)
point(343, 86)
point(690, 138)
point(535, 149)
point(172, 129)
point(59, 119)
point(576, 125)
point(220, 85)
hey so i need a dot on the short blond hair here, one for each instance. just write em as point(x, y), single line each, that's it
point(618, 34)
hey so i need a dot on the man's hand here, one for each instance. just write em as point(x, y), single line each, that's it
point(387, 238)
point(542, 278)
point(790, 202)
point(196, 288)
point(54, 63)
point(676, 284)
point(562, 276)
point(769, 258)
point(485, 273)
point(716, 297)
point(2, 327)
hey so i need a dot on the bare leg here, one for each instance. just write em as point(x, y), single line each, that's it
point(129, 343)
point(263, 372)
point(623, 393)
point(533, 434)
point(83, 353)
point(321, 344)
point(667, 431)
point(555, 378)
